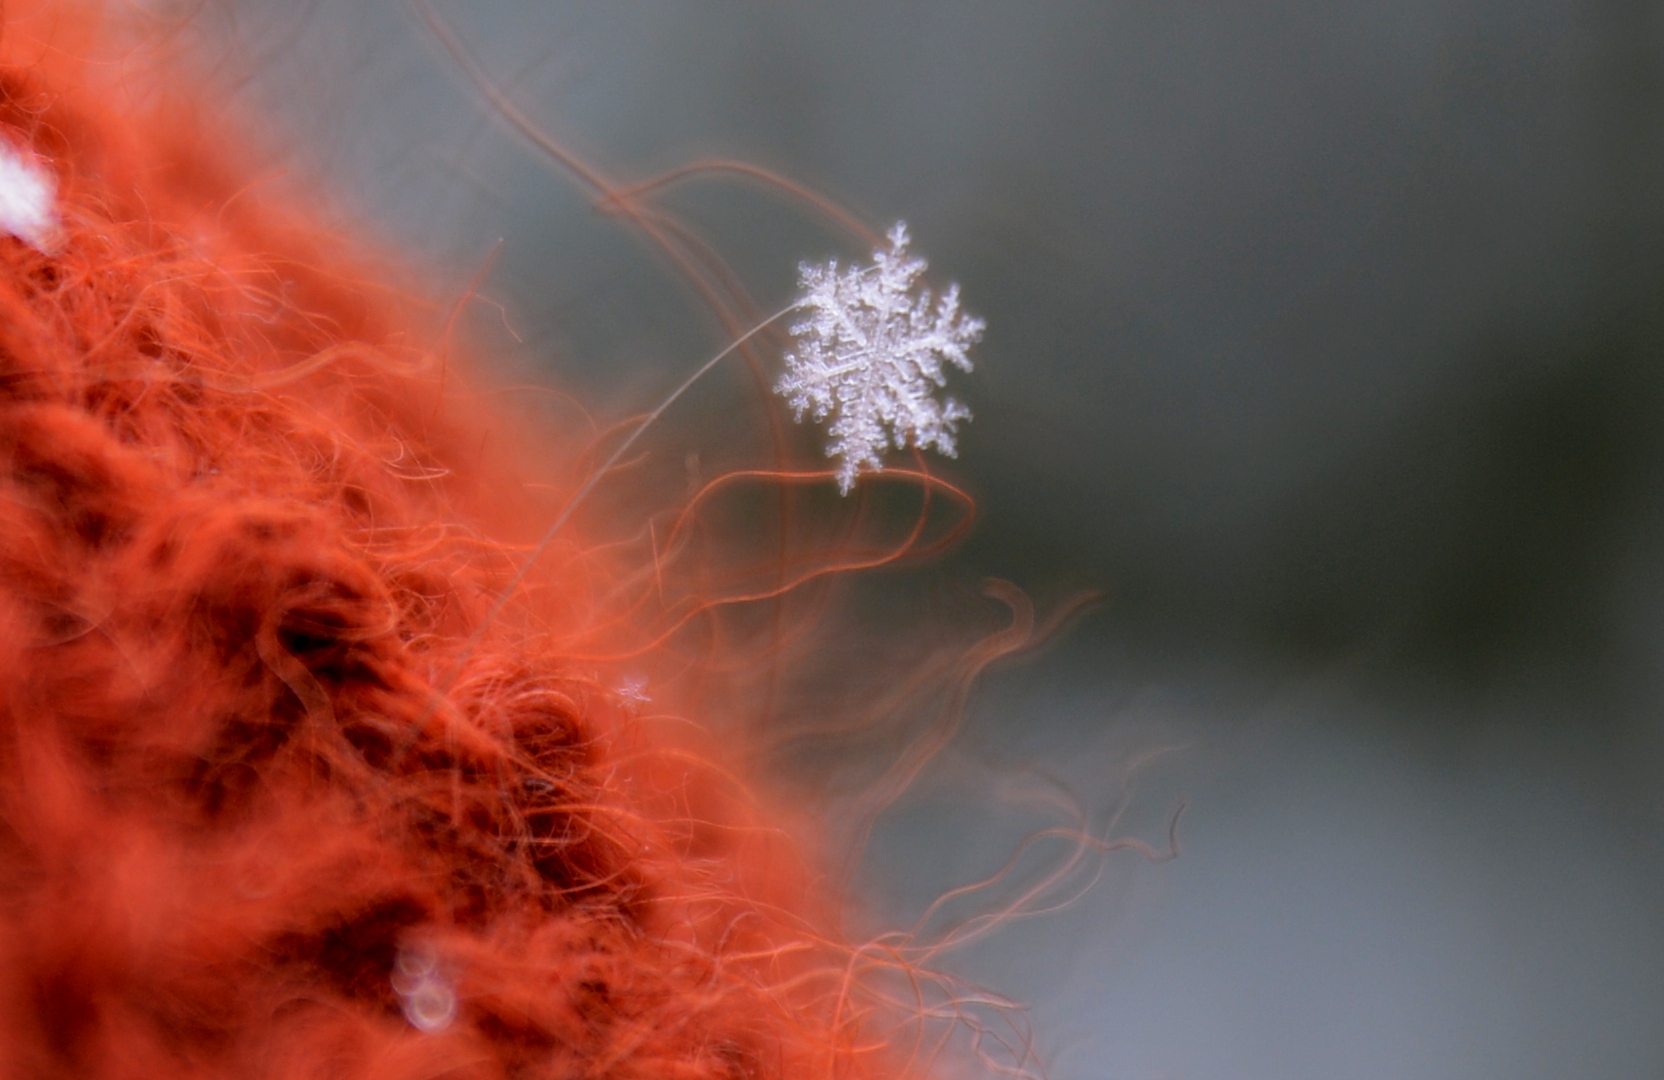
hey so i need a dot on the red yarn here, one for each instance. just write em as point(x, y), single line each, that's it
point(260, 815)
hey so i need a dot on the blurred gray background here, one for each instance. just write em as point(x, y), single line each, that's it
point(1324, 334)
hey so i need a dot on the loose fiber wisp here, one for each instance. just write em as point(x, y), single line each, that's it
point(302, 774)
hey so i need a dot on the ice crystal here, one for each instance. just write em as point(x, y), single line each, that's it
point(632, 690)
point(425, 995)
point(26, 197)
point(871, 354)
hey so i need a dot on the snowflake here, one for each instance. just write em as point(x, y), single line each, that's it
point(425, 994)
point(26, 196)
point(632, 690)
point(871, 355)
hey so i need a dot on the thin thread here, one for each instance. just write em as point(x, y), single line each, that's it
point(595, 478)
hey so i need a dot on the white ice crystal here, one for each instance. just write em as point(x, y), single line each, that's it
point(425, 995)
point(26, 197)
point(871, 354)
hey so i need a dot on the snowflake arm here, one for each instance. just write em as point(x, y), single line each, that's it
point(871, 353)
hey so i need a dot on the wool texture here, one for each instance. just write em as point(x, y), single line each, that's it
point(276, 800)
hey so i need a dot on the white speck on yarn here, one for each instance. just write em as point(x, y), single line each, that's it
point(632, 690)
point(27, 193)
point(425, 995)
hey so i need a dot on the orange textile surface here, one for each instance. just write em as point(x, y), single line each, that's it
point(275, 799)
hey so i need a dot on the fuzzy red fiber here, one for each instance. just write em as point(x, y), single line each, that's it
point(259, 791)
